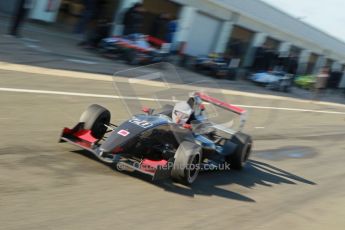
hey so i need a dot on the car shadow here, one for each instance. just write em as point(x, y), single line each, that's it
point(211, 183)
point(255, 173)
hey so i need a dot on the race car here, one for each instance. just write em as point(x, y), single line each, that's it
point(275, 80)
point(135, 48)
point(212, 65)
point(175, 141)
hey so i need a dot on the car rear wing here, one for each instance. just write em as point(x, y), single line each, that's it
point(224, 105)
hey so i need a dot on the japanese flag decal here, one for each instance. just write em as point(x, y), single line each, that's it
point(123, 132)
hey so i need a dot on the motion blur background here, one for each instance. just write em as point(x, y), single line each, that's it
point(256, 33)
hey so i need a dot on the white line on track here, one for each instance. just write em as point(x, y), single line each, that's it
point(81, 61)
point(291, 109)
point(33, 91)
point(102, 77)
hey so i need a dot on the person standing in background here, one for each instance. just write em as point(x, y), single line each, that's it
point(23, 6)
point(99, 26)
point(159, 26)
point(321, 82)
point(172, 28)
point(164, 27)
point(87, 15)
point(133, 19)
point(126, 19)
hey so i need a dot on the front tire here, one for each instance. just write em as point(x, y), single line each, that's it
point(187, 163)
point(94, 118)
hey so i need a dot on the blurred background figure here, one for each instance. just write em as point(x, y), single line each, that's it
point(172, 28)
point(98, 26)
point(127, 20)
point(96, 33)
point(21, 11)
point(133, 19)
point(159, 27)
point(321, 82)
point(90, 10)
point(164, 27)
point(292, 65)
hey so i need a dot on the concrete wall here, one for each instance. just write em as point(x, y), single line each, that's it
point(39, 11)
point(208, 7)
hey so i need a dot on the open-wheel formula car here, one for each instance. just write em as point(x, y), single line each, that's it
point(175, 141)
point(274, 80)
point(212, 65)
point(136, 48)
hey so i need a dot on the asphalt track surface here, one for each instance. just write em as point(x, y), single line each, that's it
point(295, 179)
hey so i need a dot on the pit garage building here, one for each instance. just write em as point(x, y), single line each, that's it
point(238, 28)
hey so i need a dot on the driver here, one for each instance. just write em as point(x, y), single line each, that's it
point(181, 113)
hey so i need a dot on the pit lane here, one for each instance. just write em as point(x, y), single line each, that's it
point(44, 184)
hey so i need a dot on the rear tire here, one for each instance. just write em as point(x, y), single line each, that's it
point(94, 118)
point(187, 163)
point(241, 154)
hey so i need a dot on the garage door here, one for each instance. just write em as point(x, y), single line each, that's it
point(202, 35)
point(239, 42)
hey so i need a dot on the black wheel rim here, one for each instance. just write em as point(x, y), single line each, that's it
point(246, 153)
point(194, 168)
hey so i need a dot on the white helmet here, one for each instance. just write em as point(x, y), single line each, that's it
point(181, 113)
